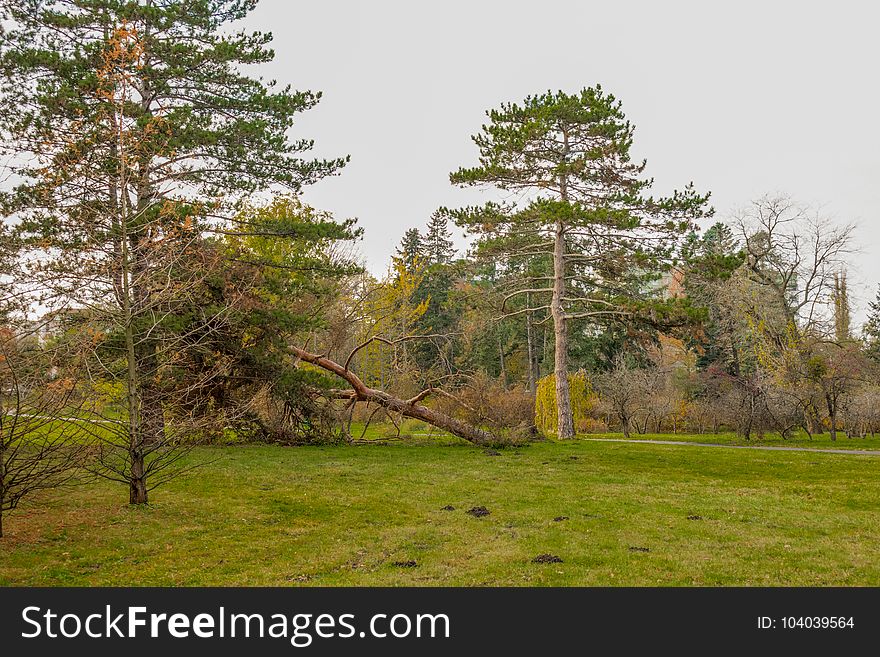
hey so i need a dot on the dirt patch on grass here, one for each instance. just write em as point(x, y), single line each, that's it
point(560, 518)
point(448, 507)
point(405, 564)
point(547, 558)
point(478, 511)
point(638, 548)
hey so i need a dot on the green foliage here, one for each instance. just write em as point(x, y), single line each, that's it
point(568, 157)
point(709, 264)
point(872, 329)
point(411, 251)
point(437, 243)
point(273, 283)
point(136, 137)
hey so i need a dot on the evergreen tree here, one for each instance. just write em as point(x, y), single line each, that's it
point(438, 246)
point(709, 262)
point(872, 328)
point(588, 208)
point(411, 251)
point(134, 133)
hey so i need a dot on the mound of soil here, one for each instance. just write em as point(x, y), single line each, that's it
point(546, 558)
point(695, 517)
point(405, 564)
point(448, 507)
point(478, 511)
point(560, 518)
point(637, 548)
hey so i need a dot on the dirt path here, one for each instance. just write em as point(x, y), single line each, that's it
point(772, 448)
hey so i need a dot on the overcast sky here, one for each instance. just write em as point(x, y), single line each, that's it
point(742, 98)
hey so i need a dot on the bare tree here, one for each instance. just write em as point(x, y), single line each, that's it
point(42, 442)
point(624, 389)
point(793, 255)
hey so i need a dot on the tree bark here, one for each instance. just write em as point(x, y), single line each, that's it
point(137, 489)
point(501, 361)
point(565, 421)
point(406, 407)
point(832, 415)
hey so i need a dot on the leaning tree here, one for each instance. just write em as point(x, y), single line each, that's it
point(584, 206)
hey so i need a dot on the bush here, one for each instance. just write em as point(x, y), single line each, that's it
point(488, 401)
point(583, 403)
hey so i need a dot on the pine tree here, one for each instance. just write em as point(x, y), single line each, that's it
point(438, 246)
point(134, 133)
point(411, 251)
point(872, 328)
point(570, 156)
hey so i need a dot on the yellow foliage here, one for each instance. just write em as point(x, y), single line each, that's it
point(583, 400)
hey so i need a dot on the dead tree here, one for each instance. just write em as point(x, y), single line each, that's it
point(412, 407)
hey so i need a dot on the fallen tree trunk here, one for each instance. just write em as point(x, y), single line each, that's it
point(360, 392)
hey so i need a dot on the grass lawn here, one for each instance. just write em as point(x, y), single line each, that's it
point(344, 515)
point(822, 441)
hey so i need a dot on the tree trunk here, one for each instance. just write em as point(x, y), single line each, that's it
point(406, 407)
point(146, 357)
point(565, 420)
point(501, 361)
point(832, 416)
point(624, 424)
point(137, 490)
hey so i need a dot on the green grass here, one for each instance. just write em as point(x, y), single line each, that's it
point(343, 515)
point(820, 441)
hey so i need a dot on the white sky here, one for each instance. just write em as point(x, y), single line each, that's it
point(741, 97)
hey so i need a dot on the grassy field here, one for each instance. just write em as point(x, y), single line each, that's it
point(411, 429)
point(822, 441)
point(615, 513)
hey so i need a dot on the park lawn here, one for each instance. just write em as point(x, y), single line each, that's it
point(326, 516)
point(799, 439)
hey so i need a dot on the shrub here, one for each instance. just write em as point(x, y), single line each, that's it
point(583, 403)
point(488, 401)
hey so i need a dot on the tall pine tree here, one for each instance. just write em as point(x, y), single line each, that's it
point(568, 155)
point(438, 246)
point(411, 251)
point(134, 130)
